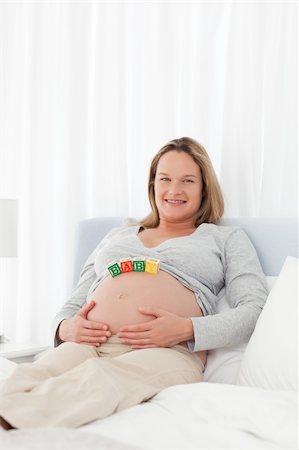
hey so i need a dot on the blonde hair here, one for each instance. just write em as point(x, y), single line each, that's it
point(212, 204)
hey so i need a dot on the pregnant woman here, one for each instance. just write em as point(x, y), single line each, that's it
point(143, 314)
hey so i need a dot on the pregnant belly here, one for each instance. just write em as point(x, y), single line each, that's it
point(117, 299)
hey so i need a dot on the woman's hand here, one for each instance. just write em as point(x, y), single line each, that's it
point(166, 330)
point(80, 329)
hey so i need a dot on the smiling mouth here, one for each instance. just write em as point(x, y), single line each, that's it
point(175, 202)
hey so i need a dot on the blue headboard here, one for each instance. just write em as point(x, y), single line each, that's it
point(273, 238)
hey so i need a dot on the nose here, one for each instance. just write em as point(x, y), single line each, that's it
point(175, 188)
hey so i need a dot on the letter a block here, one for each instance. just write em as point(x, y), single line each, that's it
point(126, 265)
point(152, 266)
point(114, 269)
point(139, 264)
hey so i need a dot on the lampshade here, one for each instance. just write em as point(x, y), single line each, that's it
point(8, 227)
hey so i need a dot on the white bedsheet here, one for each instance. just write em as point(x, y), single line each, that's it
point(197, 416)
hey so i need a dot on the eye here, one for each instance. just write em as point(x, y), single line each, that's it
point(188, 180)
point(164, 179)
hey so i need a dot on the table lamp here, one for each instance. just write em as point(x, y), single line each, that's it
point(8, 233)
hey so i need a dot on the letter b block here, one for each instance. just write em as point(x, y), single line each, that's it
point(139, 264)
point(114, 269)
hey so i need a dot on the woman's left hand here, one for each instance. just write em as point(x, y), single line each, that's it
point(166, 330)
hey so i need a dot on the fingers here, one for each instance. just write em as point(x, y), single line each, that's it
point(96, 341)
point(134, 328)
point(149, 310)
point(91, 345)
point(85, 309)
point(95, 333)
point(134, 335)
point(94, 325)
point(139, 338)
point(137, 341)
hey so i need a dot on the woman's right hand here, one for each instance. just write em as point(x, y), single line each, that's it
point(80, 329)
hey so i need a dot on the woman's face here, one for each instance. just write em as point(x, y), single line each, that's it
point(178, 187)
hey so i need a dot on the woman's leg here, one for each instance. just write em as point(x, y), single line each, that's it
point(99, 387)
point(53, 363)
point(157, 369)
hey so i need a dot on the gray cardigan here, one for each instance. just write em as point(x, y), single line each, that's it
point(211, 258)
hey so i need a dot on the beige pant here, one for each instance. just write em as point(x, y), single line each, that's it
point(74, 384)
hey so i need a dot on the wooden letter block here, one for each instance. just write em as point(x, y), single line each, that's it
point(152, 266)
point(139, 264)
point(114, 269)
point(126, 265)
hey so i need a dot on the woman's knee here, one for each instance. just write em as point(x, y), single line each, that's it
point(66, 356)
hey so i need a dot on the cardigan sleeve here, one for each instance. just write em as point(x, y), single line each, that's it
point(79, 295)
point(246, 292)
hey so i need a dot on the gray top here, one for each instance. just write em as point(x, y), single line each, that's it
point(212, 257)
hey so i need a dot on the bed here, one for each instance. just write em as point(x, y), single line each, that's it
point(248, 399)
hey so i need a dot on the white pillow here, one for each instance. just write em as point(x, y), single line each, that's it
point(223, 364)
point(270, 359)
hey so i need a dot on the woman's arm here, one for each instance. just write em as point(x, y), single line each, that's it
point(246, 292)
point(70, 323)
point(80, 329)
point(77, 299)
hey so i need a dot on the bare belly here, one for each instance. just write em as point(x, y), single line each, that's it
point(117, 299)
